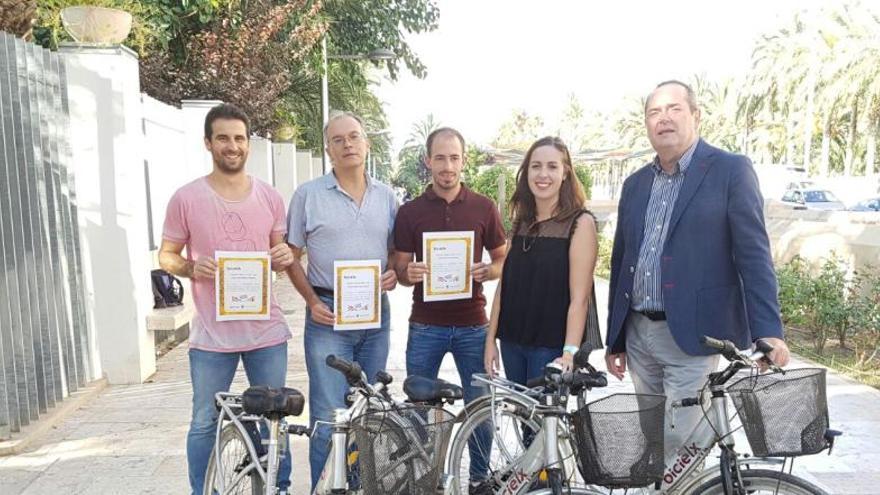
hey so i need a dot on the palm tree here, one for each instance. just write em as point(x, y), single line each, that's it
point(411, 174)
point(17, 17)
point(824, 63)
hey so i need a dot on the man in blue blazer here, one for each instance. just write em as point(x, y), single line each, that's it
point(691, 257)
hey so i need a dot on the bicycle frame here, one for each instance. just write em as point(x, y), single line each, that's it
point(231, 410)
point(334, 475)
point(545, 452)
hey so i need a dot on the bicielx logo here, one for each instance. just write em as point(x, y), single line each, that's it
point(515, 483)
point(691, 452)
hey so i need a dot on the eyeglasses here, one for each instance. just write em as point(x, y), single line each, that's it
point(353, 138)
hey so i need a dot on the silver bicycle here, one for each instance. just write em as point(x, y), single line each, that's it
point(243, 462)
point(784, 415)
point(378, 445)
point(532, 446)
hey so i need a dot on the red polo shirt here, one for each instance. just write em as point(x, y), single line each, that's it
point(431, 213)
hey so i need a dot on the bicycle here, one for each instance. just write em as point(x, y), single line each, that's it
point(594, 443)
point(760, 400)
point(379, 445)
point(532, 431)
point(242, 462)
point(407, 434)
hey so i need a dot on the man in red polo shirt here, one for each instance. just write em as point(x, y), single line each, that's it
point(457, 326)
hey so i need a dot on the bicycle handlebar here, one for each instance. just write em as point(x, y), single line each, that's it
point(352, 371)
point(731, 353)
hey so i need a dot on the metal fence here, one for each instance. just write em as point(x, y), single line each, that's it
point(44, 341)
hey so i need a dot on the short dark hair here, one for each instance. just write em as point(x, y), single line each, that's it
point(226, 111)
point(691, 96)
point(444, 130)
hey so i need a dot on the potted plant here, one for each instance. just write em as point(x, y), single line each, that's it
point(92, 24)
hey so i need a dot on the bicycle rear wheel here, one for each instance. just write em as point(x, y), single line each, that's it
point(763, 481)
point(238, 469)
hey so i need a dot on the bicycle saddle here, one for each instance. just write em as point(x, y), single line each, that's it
point(421, 389)
point(265, 401)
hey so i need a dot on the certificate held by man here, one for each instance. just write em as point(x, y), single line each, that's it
point(448, 257)
point(243, 285)
point(356, 294)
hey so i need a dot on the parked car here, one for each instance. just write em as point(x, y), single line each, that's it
point(812, 199)
point(800, 184)
point(872, 204)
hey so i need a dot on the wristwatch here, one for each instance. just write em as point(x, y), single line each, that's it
point(571, 349)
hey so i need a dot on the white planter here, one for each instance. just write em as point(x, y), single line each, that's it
point(89, 24)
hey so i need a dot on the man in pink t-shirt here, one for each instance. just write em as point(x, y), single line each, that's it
point(227, 210)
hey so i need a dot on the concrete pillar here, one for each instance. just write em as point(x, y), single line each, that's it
point(318, 167)
point(259, 162)
point(284, 167)
point(303, 167)
point(107, 161)
point(198, 159)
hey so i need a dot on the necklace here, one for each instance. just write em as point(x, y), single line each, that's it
point(528, 246)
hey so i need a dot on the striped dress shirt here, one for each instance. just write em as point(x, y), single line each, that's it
point(647, 294)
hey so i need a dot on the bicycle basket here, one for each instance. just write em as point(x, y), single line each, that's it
point(619, 440)
point(783, 414)
point(402, 451)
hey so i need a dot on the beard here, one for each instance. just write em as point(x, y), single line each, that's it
point(227, 165)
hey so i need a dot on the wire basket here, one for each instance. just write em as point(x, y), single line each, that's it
point(784, 414)
point(619, 440)
point(401, 451)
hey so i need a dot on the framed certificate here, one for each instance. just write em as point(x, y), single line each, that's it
point(448, 256)
point(357, 291)
point(243, 285)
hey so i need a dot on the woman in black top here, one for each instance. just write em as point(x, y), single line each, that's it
point(544, 305)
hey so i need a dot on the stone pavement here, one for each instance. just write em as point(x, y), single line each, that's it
point(131, 439)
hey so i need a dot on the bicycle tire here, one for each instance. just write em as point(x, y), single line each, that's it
point(236, 458)
point(474, 415)
point(760, 481)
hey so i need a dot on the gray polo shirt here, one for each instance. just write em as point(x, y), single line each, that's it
point(325, 220)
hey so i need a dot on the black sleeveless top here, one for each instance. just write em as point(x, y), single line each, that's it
point(534, 288)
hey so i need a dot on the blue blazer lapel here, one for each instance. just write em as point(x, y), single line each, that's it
point(640, 203)
point(692, 180)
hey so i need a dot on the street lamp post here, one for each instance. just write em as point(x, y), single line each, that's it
point(379, 54)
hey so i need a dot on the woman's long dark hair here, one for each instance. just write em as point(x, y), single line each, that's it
point(571, 193)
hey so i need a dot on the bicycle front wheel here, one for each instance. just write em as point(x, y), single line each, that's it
point(235, 470)
point(483, 445)
point(763, 481)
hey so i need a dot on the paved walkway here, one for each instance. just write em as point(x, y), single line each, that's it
point(131, 439)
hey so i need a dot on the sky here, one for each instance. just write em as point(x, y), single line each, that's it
point(491, 57)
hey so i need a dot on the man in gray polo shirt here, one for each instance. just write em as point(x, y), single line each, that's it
point(343, 215)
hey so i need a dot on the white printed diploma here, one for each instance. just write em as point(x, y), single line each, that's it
point(243, 285)
point(357, 291)
point(448, 256)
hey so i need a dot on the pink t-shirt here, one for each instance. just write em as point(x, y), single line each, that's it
point(205, 222)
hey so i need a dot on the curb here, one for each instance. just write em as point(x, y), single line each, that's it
point(34, 431)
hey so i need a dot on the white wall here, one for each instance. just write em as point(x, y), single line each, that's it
point(259, 162)
point(108, 166)
point(303, 167)
point(284, 168)
point(317, 167)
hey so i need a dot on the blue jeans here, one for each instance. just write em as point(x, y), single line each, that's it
point(212, 372)
point(327, 387)
point(524, 362)
point(425, 349)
